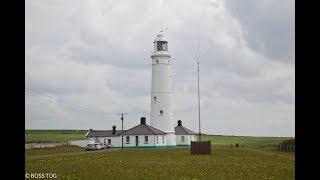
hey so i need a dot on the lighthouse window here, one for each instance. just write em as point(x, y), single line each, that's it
point(155, 99)
point(162, 46)
point(157, 61)
point(161, 112)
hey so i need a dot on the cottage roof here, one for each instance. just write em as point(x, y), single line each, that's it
point(103, 133)
point(144, 129)
point(180, 130)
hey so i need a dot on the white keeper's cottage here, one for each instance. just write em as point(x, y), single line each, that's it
point(142, 135)
point(162, 130)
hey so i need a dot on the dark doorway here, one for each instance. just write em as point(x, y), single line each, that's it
point(137, 141)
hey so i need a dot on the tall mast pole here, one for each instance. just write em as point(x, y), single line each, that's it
point(199, 92)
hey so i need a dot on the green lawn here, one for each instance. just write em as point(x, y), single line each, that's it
point(256, 159)
point(53, 135)
point(144, 163)
point(249, 141)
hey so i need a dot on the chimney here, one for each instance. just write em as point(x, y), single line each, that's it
point(179, 123)
point(142, 120)
point(113, 129)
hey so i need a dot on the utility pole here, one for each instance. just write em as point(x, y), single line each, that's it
point(122, 128)
point(199, 92)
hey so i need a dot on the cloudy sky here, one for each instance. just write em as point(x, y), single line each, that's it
point(89, 60)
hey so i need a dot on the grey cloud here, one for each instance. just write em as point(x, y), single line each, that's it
point(270, 25)
point(97, 55)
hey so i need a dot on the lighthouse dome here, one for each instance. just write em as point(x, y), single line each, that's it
point(160, 37)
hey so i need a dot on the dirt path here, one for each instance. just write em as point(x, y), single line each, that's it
point(66, 154)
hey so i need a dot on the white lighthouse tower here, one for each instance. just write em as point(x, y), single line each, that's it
point(161, 90)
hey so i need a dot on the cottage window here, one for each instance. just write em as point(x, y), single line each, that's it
point(127, 139)
point(146, 139)
point(162, 139)
point(182, 138)
point(157, 139)
point(109, 141)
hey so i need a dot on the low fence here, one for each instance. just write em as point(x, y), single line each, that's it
point(287, 145)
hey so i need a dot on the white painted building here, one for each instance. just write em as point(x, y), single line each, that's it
point(112, 137)
point(142, 135)
point(162, 131)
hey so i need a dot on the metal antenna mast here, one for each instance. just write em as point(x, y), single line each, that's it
point(122, 128)
point(198, 91)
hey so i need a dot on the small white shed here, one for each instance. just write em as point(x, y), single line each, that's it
point(111, 137)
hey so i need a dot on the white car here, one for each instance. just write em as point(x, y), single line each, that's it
point(97, 146)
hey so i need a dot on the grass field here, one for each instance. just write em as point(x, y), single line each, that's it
point(53, 135)
point(256, 159)
point(248, 141)
point(173, 163)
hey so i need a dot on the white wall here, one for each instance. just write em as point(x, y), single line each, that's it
point(161, 142)
point(187, 139)
point(115, 141)
point(132, 141)
point(152, 140)
point(193, 138)
point(81, 143)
